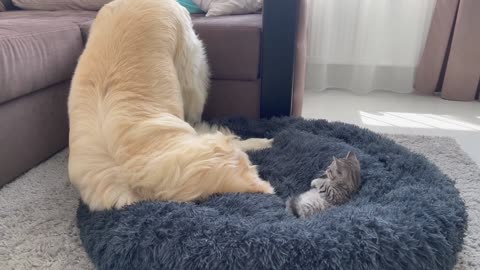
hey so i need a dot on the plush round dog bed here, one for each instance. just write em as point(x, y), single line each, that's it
point(407, 215)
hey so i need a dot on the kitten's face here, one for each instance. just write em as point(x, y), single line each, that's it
point(344, 170)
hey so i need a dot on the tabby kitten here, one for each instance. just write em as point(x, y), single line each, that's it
point(340, 181)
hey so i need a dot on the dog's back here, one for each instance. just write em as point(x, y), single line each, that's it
point(130, 49)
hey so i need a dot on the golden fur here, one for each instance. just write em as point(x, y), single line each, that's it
point(128, 138)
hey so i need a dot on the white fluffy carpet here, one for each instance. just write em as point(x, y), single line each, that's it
point(37, 211)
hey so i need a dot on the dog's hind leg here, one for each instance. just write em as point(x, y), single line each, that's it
point(253, 144)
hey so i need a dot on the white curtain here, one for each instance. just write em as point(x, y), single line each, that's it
point(366, 45)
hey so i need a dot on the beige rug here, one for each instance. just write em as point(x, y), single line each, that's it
point(37, 211)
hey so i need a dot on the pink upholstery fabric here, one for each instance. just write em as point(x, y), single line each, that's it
point(32, 129)
point(232, 97)
point(232, 44)
point(93, 5)
point(38, 49)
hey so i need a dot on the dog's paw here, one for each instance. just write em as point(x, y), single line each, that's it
point(255, 144)
point(258, 144)
point(266, 187)
point(268, 143)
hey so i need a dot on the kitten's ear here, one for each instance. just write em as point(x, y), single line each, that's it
point(351, 155)
point(334, 162)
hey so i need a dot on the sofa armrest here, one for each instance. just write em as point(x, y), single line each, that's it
point(280, 20)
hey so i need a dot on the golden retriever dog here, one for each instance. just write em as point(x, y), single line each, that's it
point(142, 74)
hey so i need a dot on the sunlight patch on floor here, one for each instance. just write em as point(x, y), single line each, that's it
point(416, 120)
point(391, 113)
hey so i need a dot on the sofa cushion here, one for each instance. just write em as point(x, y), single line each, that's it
point(61, 16)
point(93, 5)
point(60, 4)
point(228, 98)
point(233, 45)
point(229, 7)
point(38, 49)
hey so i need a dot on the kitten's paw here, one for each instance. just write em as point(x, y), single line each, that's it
point(319, 183)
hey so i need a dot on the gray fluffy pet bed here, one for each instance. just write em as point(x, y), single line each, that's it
point(407, 215)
